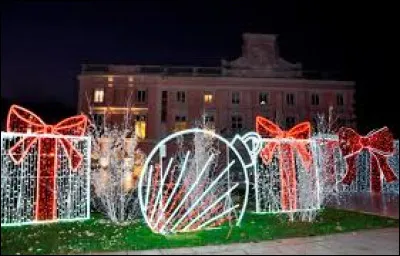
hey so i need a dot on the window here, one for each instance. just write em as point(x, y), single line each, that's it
point(314, 119)
point(209, 119)
point(180, 123)
point(235, 98)
point(263, 98)
point(98, 96)
point(237, 122)
point(110, 80)
point(98, 119)
point(290, 99)
point(130, 79)
point(141, 96)
point(181, 96)
point(208, 97)
point(164, 102)
point(140, 127)
point(314, 99)
point(339, 100)
point(209, 122)
point(290, 122)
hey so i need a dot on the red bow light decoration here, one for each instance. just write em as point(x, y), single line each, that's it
point(379, 145)
point(287, 167)
point(22, 120)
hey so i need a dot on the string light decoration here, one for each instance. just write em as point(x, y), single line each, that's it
point(286, 167)
point(328, 160)
point(333, 169)
point(182, 190)
point(393, 187)
point(46, 169)
point(380, 146)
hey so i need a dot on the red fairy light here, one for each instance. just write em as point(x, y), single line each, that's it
point(379, 144)
point(267, 128)
point(21, 120)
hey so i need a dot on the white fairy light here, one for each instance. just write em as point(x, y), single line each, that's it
point(18, 182)
point(269, 182)
point(195, 190)
point(117, 164)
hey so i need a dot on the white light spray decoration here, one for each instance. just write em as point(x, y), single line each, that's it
point(154, 212)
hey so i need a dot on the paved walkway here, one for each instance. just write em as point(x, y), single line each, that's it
point(381, 241)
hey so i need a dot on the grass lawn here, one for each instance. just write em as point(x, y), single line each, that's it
point(96, 235)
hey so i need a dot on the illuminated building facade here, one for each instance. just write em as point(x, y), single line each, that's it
point(260, 82)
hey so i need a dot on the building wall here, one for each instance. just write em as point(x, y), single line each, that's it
point(117, 92)
point(260, 68)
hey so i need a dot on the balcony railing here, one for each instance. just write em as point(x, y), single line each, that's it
point(187, 71)
point(99, 69)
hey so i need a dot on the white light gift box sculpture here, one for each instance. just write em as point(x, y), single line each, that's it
point(45, 170)
point(286, 178)
point(393, 188)
point(197, 185)
point(358, 177)
point(20, 183)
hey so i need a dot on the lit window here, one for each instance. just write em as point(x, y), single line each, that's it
point(180, 96)
point(235, 98)
point(314, 99)
point(140, 127)
point(180, 123)
point(110, 79)
point(237, 122)
point(141, 96)
point(290, 122)
point(130, 79)
point(340, 100)
point(290, 99)
point(208, 97)
point(98, 96)
point(263, 98)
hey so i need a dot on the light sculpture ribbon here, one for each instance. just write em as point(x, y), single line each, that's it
point(21, 120)
point(379, 144)
point(267, 128)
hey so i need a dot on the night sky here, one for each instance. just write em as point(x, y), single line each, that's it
point(43, 44)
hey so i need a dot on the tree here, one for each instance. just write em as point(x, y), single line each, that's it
point(327, 154)
point(116, 166)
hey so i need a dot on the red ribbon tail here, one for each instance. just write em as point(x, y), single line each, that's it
point(74, 155)
point(18, 152)
point(351, 170)
point(384, 166)
point(305, 155)
point(267, 153)
point(375, 175)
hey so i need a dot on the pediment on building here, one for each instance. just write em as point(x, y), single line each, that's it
point(260, 56)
